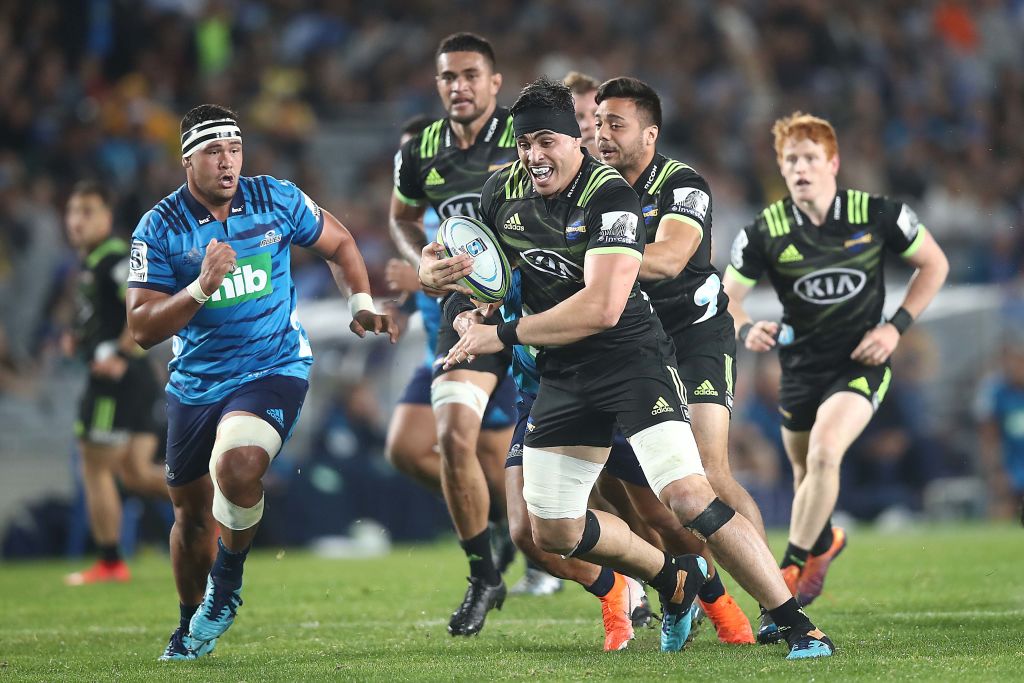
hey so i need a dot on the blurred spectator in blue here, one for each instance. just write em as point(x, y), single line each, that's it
point(999, 409)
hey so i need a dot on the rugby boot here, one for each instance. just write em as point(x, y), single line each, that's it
point(480, 598)
point(536, 582)
point(677, 621)
point(791, 575)
point(101, 572)
point(615, 612)
point(179, 647)
point(809, 643)
point(217, 611)
point(640, 613)
point(767, 632)
point(812, 578)
point(730, 622)
point(503, 550)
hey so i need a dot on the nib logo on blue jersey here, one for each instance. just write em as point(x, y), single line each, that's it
point(249, 280)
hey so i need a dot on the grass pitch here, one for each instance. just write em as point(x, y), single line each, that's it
point(936, 604)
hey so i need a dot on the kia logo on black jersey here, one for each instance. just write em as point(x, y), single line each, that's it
point(830, 286)
point(553, 264)
point(460, 205)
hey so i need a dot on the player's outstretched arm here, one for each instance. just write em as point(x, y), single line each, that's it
point(154, 316)
point(673, 246)
point(405, 222)
point(932, 269)
point(337, 246)
point(756, 336)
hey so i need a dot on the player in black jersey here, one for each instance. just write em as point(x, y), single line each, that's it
point(445, 166)
point(117, 427)
point(573, 228)
point(823, 250)
point(686, 292)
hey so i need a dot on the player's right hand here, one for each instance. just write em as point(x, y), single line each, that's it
point(762, 336)
point(220, 260)
point(442, 273)
point(401, 276)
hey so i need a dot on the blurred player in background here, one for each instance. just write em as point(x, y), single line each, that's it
point(584, 98)
point(210, 267)
point(117, 427)
point(823, 249)
point(686, 293)
point(444, 167)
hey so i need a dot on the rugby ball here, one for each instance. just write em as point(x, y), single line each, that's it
point(491, 273)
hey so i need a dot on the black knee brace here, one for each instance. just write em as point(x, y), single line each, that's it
point(715, 516)
point(591, 533)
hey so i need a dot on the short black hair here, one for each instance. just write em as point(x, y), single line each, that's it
point(643, 96)
point(94, 188)
point(416, 124)
point(545, 93)
point(206, 112)
point(468, 42)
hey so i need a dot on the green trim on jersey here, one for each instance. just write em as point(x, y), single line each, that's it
point(682, 219)
point(508, 138)
point(598, 178)
point(617, 250)
point(113, 245)
point(408, 200)
point(776, 220)
point(519, 182)
point(916, 244)
point(856, 207)
point(430, 139)
point(671, 166)
point(740, 277)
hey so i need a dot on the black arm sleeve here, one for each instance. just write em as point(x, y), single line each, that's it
point(453, 304)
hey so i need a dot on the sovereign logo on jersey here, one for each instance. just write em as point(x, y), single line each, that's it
point(249, 280)
point(830, 285)
point(460, 205)
point(618, 226)
point(552, 264)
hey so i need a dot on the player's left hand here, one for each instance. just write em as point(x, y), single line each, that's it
point(112, 367)
point(877, 345)
point(401, 276)
point(368, 321)
point(478, 340)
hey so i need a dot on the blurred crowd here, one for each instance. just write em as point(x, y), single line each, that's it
point(927, 97)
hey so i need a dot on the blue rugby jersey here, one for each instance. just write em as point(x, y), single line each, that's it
point(524, 358)
point(429, 307)
point(249, 328)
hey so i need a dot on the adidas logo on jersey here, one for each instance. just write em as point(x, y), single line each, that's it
point(705, 389)
point(434, 178)
point(514, 223)
point(790, 255)
point(249, 280)
point(662, 406)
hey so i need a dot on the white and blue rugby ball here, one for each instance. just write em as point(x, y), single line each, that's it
point(491, 273)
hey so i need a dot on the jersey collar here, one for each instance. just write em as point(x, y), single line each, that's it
point(567, 193)
point(649, 174)
point(202, 214)
point(487, 134)
point(834, 216)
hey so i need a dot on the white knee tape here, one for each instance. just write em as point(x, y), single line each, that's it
point(667, 452)
point(557, 486)
point(450, 391)
point(240, 431)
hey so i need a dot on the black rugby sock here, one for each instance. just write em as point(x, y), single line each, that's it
point(824, 541)
point(789, 615)
point(666, 580)
point(794, 556)
point(110, 553)
point(712, 590)
point(227, 568)
point(603, 584)
point(481, 564)
point(186, 614)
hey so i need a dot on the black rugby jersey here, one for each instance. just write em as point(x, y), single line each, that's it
point(673, 189)
point(548, 240)
point(829, 278)
point(431, 168)
point(102, 282)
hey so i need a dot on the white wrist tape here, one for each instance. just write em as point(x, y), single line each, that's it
point(196, 290)
point(360, 301)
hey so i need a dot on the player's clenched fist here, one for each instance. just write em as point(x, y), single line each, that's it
point(220, 260)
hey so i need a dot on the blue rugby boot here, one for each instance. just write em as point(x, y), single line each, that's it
point(767, 632)
point(678, 618)
point(217, 611)
point(182, 648)
point(809, 643)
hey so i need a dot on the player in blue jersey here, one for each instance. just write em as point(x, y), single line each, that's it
point(210, 269)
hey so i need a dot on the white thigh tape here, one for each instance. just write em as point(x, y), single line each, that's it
point(557, 486)
point(667, 452)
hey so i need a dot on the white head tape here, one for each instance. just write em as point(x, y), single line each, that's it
point(207, 132)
